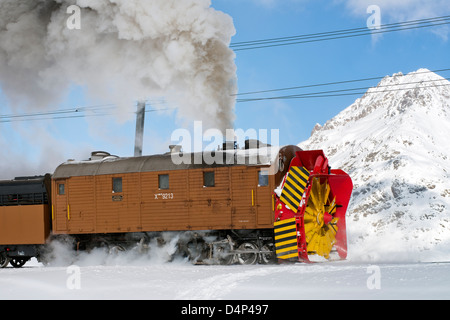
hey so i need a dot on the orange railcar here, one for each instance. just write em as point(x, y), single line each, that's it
point(24, 218)
point(150, 193)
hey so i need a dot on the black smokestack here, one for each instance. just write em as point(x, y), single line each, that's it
point(140, 119)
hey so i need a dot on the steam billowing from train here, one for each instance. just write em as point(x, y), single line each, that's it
point(125, 50)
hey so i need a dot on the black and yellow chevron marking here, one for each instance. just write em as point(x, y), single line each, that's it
point(294, 186)
point(286, 239)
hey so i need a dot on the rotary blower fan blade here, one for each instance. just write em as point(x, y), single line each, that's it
point(320, 224)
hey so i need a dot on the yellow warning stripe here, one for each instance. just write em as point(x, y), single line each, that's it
point(286, 249)
point(277, 223)
point(288, 256)
point(286, 238)
point(302, 173)
point(299, 180)
point(294, 233)
point(300, 184)
point(292, 182)
point(294, 186)
point(291, 202)
point(282, 243)
point(278, 230)
point(293, 191)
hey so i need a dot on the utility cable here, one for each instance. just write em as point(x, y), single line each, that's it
point(339, 34)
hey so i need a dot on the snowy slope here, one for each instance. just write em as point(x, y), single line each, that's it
point(394, 142)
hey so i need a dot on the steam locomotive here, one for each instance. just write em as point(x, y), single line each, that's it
point(248, 208)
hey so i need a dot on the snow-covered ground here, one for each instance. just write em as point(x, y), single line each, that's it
point(180, 280)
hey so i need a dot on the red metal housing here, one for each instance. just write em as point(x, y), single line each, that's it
point(310, 209)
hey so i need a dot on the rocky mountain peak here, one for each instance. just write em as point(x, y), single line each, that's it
point(393, 142)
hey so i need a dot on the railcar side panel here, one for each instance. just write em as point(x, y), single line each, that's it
point(210, 207)
point(212, 198)
point(163, 207)
point(24, 224)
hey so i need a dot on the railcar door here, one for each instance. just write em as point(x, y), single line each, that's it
point(243, 213)
point(263, 198)
point(80, 204)
point(60, 206)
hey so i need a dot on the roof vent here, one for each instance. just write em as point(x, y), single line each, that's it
point(230, 145)
point(98, 155)
point(175, 148)
point(255, 144)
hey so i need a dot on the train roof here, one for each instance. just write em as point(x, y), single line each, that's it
point(31, 184)
point(108, 164)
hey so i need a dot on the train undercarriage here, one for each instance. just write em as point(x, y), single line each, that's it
point(198, 247)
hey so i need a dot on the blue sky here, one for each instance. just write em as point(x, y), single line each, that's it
point(32, 147)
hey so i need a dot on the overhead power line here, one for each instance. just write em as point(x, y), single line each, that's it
point(330, 83)
point(350, 91)
point(339, 34)
point(337, 93)
point(69, 113)
point(58, 112)
point(109, 109)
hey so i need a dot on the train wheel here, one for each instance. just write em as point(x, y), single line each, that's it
point(222, 253)
point(247, 258)
point(320, 225)
point(196, 250)
point(4, 260)
point(267, 255)
point(18, 263)
point(114, 250)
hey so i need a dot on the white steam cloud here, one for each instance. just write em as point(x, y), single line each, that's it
point(125, 50)
point(160, 249)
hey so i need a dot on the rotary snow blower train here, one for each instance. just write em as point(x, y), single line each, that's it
point(310, 210)
point(239, 211)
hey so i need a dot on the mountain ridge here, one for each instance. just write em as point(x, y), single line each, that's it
point(392, 141)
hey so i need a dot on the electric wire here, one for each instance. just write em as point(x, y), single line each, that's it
point(353, 30)
point(108, 109)
point(70, 113)
point(330, 83)
point(343, 92)
point(340, 34)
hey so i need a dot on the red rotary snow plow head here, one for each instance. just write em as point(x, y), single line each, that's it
point(310, 207)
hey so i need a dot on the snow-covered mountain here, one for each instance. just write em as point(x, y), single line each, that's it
point(395, 144)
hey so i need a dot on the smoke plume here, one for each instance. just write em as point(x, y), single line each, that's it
point(124, 50)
